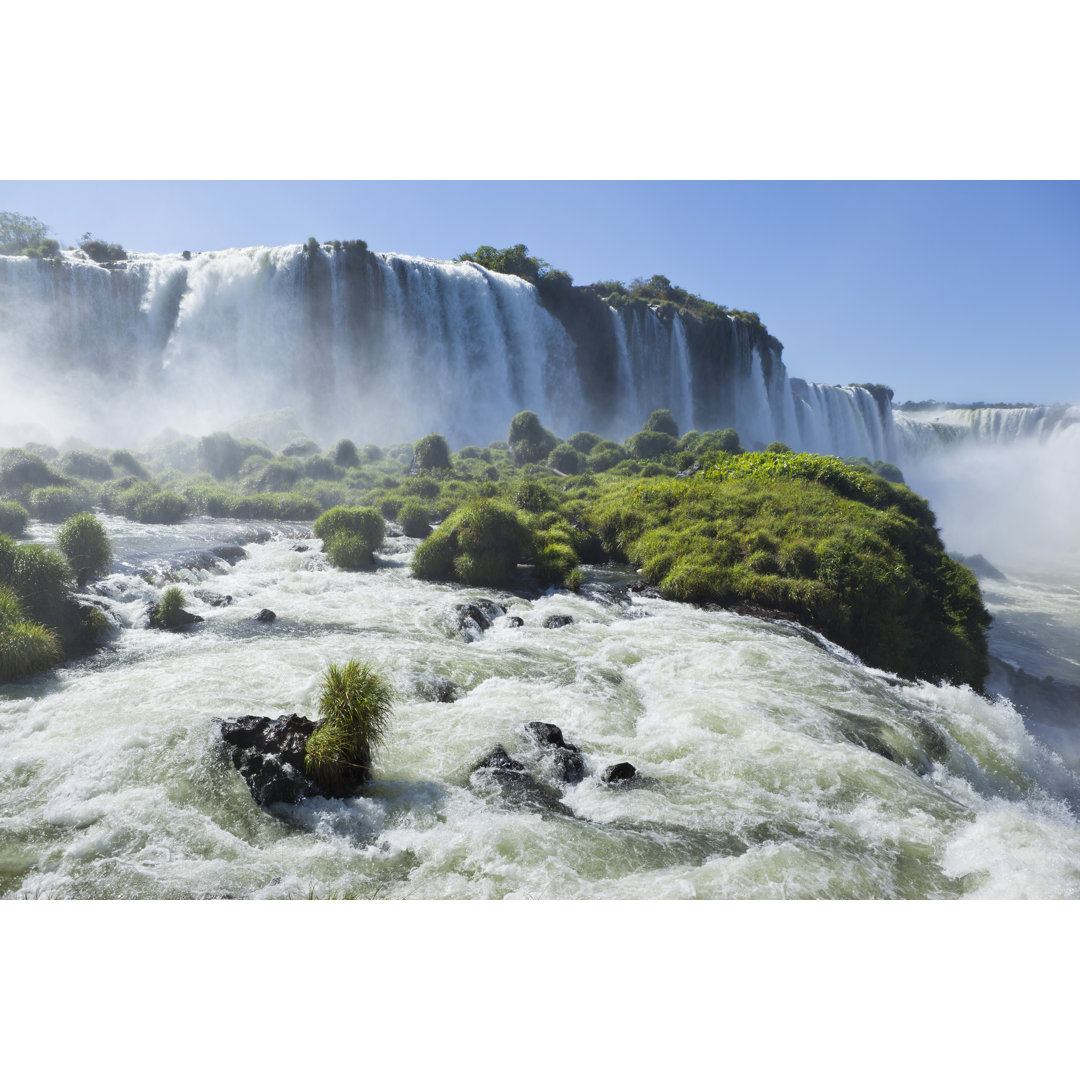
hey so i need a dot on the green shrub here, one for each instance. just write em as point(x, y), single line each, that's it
point(480, 544)
point(431, 452)
point(778, 448)
point(354, 719)
point(220, 455)
point(534, 496)
point(662, 420)
point(350, 535)
point(169, 610)
point(84, 543)
point(124, 459)
point(529, 440)
point(415, 518)
point(57, 503)
point(85, 466)
point(160, 508)
point(26, 648)
point(20, 468)
point(606, 455)
point(101, 250)
point(650, 444)
point(13, 519)
point(39, 577)
point(300, 448)
point(567, 460)
point(584, 441)
point(344, 455)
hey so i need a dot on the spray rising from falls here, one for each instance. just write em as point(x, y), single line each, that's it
point(383, 347)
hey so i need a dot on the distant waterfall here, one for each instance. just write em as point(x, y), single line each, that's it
point(382, 347)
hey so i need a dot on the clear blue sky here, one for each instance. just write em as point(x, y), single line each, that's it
point(951, 290)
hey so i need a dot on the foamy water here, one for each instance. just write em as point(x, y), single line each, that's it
point(750, 740)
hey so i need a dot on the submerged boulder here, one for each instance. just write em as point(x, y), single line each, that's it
point(266, 615)
point(515, 784)
point(613, 774)
point(553, 622)
point(472, 619)
point(569, 763)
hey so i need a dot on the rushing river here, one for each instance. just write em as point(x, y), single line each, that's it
point(771, 764)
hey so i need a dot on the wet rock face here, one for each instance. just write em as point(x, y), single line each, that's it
point(553, 622)
point(212, 598)
point(230, 553)
point(266, 615)
point(269, 755)
point(515, 784)
point(614, 773)
point(472, 619)
point(569, 763)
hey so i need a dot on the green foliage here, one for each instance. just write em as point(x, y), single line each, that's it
point(552, 284)
point(300, 448)
point(20, 231)
point(431, 452)
point(534, 496)
point(606, 455)
point(86, 546)
point(125, 460)
point(354, 719)
point(344, 454)
point(25, 647)
point(661, 420)
point(169, 610)
point(102, 251)
point(220, 455)
point(778, 448)
point(13, 519)
point(57, 503)
point(40, 578)
point(85, 466)
point(584, 441)
point(480, 544)
point(529, 440)
point(651, 444)
point(567, 460)
point(350, 535)
point(415, 518)
point(21, 468)
point(836, 546)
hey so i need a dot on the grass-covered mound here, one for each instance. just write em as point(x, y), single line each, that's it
point(350, 535)
point(26, 647)
point(83, 541)
point(480, 544)
point(354, 717)
point(842, 549)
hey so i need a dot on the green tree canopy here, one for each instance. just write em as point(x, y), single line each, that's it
point(19, 231)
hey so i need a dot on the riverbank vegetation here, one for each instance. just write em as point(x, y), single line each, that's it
point(843, 547)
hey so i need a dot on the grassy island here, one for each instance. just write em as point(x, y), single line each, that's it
point(843, 547)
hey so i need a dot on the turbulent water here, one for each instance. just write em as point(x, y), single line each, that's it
point(771, 764)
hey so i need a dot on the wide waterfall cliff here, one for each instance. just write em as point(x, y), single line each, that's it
point(382, 347)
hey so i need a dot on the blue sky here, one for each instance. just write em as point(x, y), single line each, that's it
point(958, 291)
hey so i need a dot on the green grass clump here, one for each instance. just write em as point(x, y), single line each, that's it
point(480, 544)
point(431, 452)
point(354, 719)
point(415, 518)
point(84, 543)
point(13, 518)
point(56, 503)
point(350, 534)
point(40, 578)
point(169, 609)
point(27, 648)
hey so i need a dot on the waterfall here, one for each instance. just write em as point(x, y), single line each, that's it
point(383, 347)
